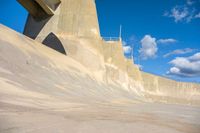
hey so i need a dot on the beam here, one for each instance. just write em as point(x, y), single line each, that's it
point(40, 8)
point(45, 7)
point(32, 7)
point(53, 4)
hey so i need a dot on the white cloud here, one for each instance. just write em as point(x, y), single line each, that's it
point(127, 49)
point(174, 70)
point(166, 41)
point(184, 13)
point(179, 52)
point(179, 13)
point(186, 66)
point(195, 57)
point(149, 47)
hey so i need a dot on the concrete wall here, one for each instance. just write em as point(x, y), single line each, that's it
point(87, 51)
point(160, 89)
point(115, 62)
point(75, 24)
point(133, 70)
point(72, 17)
point(166, 90)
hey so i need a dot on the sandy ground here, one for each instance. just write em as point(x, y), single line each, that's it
point(42, 91)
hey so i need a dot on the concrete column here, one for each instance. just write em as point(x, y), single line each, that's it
point(71, 17)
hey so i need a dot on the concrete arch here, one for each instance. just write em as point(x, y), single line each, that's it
point(53, 42)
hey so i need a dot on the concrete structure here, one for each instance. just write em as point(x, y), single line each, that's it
point(43, 91)
point(169, 91)
point(86, 85)
point(68, 17)
point(39, 9)
point(72, 29)
point(114, 61)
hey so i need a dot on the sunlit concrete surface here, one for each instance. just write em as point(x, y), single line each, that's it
point(44, 91)
point(64, 77)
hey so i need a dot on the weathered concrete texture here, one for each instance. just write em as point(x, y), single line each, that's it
point(44, 91)
point(76, 29)
point(160, 89)
point(40, 9)
point(34, 9)
point(49, 6)
point(87, 51)
point(169, 91)
point(133, 71)
point(114, 62)
point(75, 33)
point(92, 89)
point(72, 17)
point(113, 54)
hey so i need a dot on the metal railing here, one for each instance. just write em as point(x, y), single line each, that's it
point(111, 39)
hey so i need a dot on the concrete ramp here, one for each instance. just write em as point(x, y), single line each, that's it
point(44, 91)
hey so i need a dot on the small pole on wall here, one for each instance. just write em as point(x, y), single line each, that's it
point(120, 33)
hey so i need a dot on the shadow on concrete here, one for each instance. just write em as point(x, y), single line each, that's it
point(35, 25)
point(53, 42)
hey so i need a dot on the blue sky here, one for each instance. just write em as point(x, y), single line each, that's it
point(13, 15)
point(165, 34)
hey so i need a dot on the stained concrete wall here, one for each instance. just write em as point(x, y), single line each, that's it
point(115, 62)
point(113, 54)
point(87, 51)
point(133, 70)
point(161, 89)
point(72, 17)
point(76, 26)
point(75, 23)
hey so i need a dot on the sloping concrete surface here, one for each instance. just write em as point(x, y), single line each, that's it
point(74, 31)
point(43, 91)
